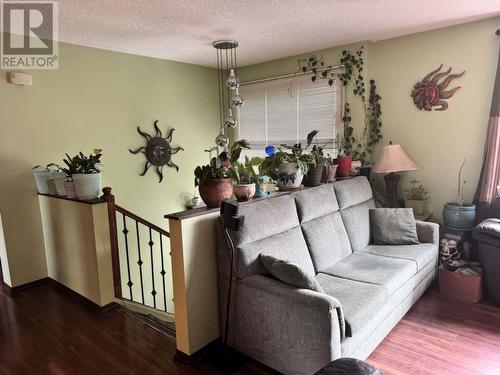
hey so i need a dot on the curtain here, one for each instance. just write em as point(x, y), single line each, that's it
point(489, 179)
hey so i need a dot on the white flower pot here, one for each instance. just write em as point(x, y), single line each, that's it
point(88, 186)
point(41, 178)
point(289, 176)
point(51, 184)
point(59, 179)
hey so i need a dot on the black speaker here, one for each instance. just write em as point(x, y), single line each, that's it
point(229, 212)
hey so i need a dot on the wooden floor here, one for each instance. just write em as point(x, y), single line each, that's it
point(45, 331)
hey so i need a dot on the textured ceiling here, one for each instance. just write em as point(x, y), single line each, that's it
point(266, 29)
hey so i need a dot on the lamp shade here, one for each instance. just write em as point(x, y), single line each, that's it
point(393, 159)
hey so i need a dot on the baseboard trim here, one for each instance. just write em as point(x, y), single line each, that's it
point(82, 299)
point(13, 291)
point(192, 360)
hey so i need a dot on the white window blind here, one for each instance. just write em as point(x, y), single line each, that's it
point(285, 110)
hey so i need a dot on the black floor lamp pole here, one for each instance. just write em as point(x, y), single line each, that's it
point(392, 188)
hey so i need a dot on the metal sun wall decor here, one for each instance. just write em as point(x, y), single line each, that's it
point(158, 151)
point(430, 93)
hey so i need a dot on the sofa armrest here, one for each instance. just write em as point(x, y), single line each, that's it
point(295, 331)
point(428, 232)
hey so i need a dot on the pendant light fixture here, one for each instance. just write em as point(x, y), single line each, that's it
point(229, 97)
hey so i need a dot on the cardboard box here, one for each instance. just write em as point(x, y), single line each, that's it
point(460, 286)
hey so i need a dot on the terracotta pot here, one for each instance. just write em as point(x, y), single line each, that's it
point(215, 191)
point(244, 192)
point(289, 176)
point(344, 166)
point(314, 175)
point(329, 172)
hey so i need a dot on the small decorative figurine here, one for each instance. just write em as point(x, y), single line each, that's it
point(430, 93)
point(158, 151)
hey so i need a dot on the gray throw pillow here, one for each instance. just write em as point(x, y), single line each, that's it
point(289, 273)
point(393, 226)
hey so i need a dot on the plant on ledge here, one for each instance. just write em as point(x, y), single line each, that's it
point(287, 166)
point(87, 178)
point(315, 172)
point(359, 148)
point(245, 175)
point(213, 179)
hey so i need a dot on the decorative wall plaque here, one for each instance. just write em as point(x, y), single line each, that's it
point(158, 151)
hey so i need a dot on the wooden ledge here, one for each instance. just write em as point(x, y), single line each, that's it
point(86, 201)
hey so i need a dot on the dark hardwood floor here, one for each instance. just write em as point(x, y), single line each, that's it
point(45, 331)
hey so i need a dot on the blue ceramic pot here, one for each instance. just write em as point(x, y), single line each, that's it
point(458, 216)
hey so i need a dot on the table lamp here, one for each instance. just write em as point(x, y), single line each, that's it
point(393, 159)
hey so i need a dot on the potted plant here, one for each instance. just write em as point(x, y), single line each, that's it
point(87, 178)
point(69, 170)
point(44, 178)
point(287, 167)
point(315, 172)
point(416, 198)
point(213, 179)
point(244, 176)
point(329, 170)
point(343, 159)
point(459, 215)
point(262, 186)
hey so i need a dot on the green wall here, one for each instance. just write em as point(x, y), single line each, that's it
point(437, 141)
point(96, 99)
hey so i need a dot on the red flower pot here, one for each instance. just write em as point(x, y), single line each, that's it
point(213, 192)
point(344, 166)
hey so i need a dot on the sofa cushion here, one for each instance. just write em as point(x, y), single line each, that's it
point(360, 301)
point(422, 254)
point(357, 224)
point(265, 218)
point(316, 202)
point(393, 226)
point(327, 240)
point(352, 192)
point(289, 273)
point(390, 273)
point(289, 246)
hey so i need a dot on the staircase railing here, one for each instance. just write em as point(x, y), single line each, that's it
point(146, 283)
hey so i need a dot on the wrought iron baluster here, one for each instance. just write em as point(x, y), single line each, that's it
point(163, 274)
point(125, 233)
point(139, 262)
point(151, 243)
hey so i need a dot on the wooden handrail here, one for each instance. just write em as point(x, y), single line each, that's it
point(108, 195)
point(115, 258)
point(141, 220)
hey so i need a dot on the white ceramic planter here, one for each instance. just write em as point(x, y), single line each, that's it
point(289, 176)
point(59, 179)
point(51, 185)
point(88, 186)
point(41, 178)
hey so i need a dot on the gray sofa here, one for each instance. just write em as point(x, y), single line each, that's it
point(326, 231)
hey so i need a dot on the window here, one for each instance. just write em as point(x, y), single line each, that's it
point(285, 110)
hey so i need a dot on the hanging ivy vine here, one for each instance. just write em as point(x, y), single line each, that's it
point(360, 148)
